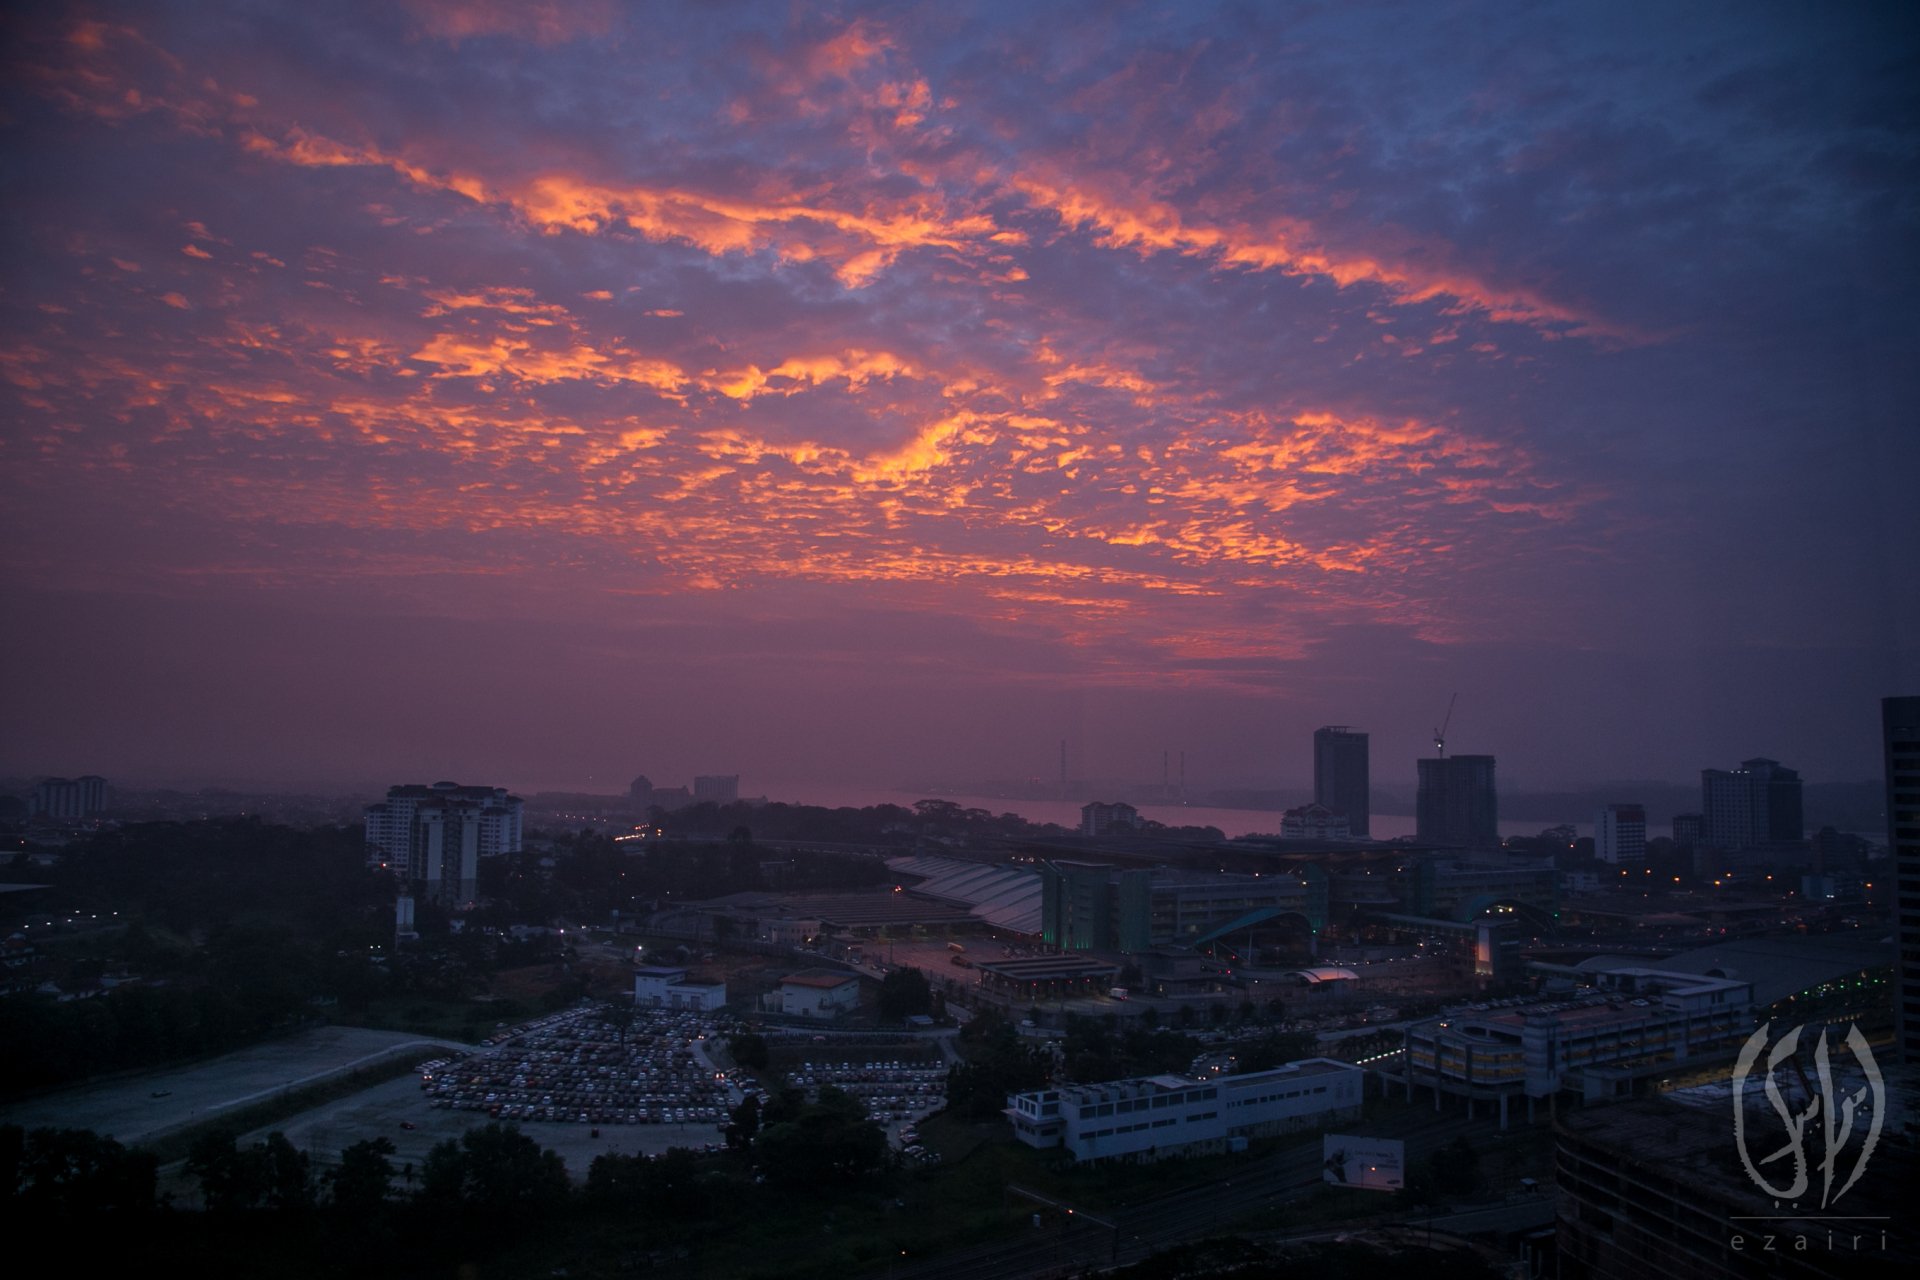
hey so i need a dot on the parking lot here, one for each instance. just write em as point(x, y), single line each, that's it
point(571, 1081)
point(890, 1090)
point(582, 1067)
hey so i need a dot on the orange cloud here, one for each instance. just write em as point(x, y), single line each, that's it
point(1275, 243)
point(544, 22)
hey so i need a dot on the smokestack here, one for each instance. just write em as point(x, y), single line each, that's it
point(1063, 768)
point(1183, 777)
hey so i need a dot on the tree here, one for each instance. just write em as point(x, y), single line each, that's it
point(288, 1174)
point(904, 993)
point(496, 1171)
point(997, 1063)
point(830, 1142)
point(230, 1180)
point(749, 1050)
point(744, 1123)
point(668, 1187)
point(62, 1172)
point(363, 1178)
point(1274, 1049)
point(783, 1106)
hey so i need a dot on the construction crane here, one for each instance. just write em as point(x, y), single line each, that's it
point(1440, 734)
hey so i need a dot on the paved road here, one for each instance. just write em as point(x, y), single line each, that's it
point(140, 1107)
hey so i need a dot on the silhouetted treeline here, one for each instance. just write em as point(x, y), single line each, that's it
point(270, 1208)
point(203, 876)
point(890, 825)
point(231, 929)
point(588, 876)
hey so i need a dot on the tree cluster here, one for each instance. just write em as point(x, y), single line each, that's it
point(56, 1175)
point(904, 993)
point(829, 1142)
point(997, 1063)
point(1096, 1053)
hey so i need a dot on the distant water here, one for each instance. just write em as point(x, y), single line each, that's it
point(1066, 813)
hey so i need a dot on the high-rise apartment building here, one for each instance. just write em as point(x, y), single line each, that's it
point(721, 788)
point(435, 836)
point(68, 799)
point(1340, 780)
point(1900, 729)
point(1620, 834)
point(1756, 804)
point(1456, 804)
point(1102, 819)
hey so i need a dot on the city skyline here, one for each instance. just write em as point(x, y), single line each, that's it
point(862, 394)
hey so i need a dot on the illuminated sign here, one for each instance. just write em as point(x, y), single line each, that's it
point(1372, 1164)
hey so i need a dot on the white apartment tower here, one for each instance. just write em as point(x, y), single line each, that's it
point(435, 836)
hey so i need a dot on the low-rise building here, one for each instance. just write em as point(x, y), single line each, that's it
point(818, 993)
point(1636, 1024)
point(1314, 822)
point(662, 987)
point(1150, 1117)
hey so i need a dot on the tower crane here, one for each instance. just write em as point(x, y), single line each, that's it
point(1440, 734)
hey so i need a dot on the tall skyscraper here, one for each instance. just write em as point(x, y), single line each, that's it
point(1457, 804)
point(1756, 804)
point(435, 836)
point(1340, 780)
point(1620, 834)
point(1900, 727)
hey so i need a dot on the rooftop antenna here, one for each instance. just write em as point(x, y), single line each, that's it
point(1440, 734)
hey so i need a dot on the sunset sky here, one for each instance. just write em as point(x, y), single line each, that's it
point(545, 393)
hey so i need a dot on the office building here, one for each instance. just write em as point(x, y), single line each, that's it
point(1655, 1187)
point(720, 788)
point(1757, 804)
point(1093, 907)
point(68, 799)
point(1456, 804)
point(1900, 729)
point(435, 836)
point(1149, 1117)
point(1620, 834)
point(1340, 781)
point(1634, 1025)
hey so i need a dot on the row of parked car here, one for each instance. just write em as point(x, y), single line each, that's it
point(588, 1067)
point(890, 1090)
